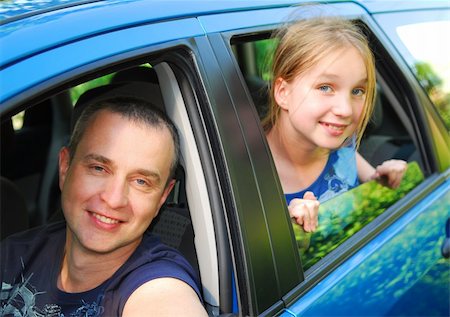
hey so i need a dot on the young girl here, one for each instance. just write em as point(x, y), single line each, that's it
point(322, 97)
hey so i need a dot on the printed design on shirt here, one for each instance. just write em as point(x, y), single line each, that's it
point(19, 300)
point(342, 176)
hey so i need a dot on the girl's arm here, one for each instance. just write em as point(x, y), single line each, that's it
point(389, 173)
point(365, 170)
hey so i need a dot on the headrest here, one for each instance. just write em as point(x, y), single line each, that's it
point(138, 73)
point(146, 91)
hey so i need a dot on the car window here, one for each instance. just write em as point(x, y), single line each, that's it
point(344, 215)
point(389, 135)
point(419, 38)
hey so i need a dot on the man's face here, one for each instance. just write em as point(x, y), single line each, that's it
point(115, 184)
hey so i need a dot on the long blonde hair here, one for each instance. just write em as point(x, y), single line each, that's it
point(305, 43)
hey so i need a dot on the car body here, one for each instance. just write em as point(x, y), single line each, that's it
point(243, 243)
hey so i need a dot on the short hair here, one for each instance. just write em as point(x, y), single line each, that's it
point(304, 43)
point(134, 109)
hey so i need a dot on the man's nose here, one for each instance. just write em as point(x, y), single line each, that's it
point(115, 193)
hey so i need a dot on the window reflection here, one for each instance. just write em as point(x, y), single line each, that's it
point(346, 214)
point(430, 60)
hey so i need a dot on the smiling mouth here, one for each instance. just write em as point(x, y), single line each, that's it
point(105, 219)
point(335, 127)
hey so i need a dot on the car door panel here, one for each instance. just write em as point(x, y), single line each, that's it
point(384, 277)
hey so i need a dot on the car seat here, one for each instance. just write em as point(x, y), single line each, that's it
point(385, 138)
point(14, 213)
point(7, 148)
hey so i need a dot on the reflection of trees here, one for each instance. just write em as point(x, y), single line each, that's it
point(432, 84)
point(406, 277)
point(344, 215)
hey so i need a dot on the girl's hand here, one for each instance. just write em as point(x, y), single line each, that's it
point(390, 173)
point(305, 211)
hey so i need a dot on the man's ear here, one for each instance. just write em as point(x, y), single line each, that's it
point(166, 193)
point(281, 92)
point(64, 162)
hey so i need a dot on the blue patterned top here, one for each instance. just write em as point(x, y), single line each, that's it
point(338, 176)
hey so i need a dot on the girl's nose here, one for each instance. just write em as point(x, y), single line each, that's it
point(343, 106)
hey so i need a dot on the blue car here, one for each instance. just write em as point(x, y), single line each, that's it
point(377, 252)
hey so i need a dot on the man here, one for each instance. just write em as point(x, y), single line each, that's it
point(115, 175)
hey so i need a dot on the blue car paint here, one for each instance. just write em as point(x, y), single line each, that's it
point(66, 58)
point(236, 20)
point(24, 37)
point(412, 263)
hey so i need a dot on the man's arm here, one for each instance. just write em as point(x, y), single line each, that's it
point(164, 297)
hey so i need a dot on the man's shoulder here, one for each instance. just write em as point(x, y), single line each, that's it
point(31, 252)
point(152, 250)
point(155, 259)
point(152, 260)
point(37, 236)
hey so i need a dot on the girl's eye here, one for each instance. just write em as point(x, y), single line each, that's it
point(358, 92)
point(325, 88)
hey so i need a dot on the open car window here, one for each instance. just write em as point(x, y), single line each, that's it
point(389, 135)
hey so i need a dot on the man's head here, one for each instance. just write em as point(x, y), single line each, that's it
point(116, 173)
point(134, 109)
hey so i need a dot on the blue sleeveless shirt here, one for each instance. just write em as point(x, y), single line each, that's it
point(339, 175)
point(30, 265)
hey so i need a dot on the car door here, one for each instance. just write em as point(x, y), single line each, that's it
point(90, 53)
point(368, 269)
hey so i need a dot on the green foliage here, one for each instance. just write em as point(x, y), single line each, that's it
point(346, 214)
point(76, 91)
point(265, 50)
point(433, 85)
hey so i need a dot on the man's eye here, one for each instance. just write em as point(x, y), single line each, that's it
point(141, 182)
point(97, 168)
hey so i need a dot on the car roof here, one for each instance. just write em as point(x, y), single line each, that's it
point(29, 26)
point(380, 6)
point(13, 10)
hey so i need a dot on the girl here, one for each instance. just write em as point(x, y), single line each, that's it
point(322, 97)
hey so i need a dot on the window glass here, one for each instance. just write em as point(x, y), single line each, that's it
point(431, 60)
point(420, 38)
point(346, 214)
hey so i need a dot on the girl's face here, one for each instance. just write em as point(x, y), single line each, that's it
point(322, 107)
